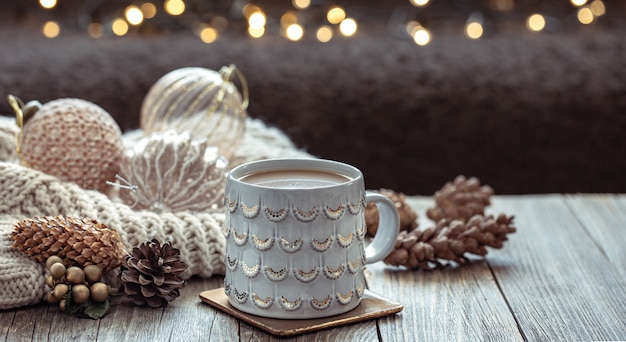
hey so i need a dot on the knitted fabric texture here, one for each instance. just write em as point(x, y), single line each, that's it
point(26, 193)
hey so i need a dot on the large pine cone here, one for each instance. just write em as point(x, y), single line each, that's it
point(408, 218)
point(76, 240)
point(460, 200)
point(151, 274)
point(450, 240)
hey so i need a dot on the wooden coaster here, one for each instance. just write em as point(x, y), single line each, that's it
point(371, 306)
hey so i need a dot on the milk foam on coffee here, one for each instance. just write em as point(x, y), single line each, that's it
point(295, 178)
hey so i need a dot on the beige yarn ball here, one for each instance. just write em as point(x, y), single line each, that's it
point(74, 140)
point(170, 171)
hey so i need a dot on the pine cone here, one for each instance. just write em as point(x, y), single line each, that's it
point(450, 240)
point(460, 200)
point(408, 218)
point(77, 241)
point(151, 274)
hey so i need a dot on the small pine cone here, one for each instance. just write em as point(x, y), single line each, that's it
point(450, 241)
point(460, 200)
point(77, 241)
point(408, 218)
point(151, 274)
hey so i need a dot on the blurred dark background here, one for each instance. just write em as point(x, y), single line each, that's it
point(524, 111)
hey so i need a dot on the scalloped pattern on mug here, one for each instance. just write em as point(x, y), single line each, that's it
point(276, 216)
point(250, 212)
point(288, 246)
point(345, 241)
point(360, 290)
point(307, 276)
point(322, 246)
point(262, 244)
point(345, 299)
point(227, 288)
point(334, 214)
point(336, 273)
point(239, 238)
point(355, 208)
point(240, 297)
point(304, 215)
point(231, 263)
point(250, 271)
point(321, 304)
point(353, 266)
point(360, 232)
point(290, 305)
point(231, 205)
point(263, 303)
point(275, 275)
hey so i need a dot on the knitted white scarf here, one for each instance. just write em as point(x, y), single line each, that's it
point(27, 193)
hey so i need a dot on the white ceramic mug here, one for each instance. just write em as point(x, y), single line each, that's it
point(295, 231)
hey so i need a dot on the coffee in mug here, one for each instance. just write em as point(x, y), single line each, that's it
point(295, 237)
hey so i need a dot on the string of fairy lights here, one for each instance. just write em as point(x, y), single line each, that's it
point(294, 21)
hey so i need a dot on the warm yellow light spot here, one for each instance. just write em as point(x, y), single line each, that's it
point(119, 27)
point(585, 16)
point(348, 27)
point(421, 36)
point(324, 33)
point(536, 22)
point(294, 32)
point(502, 5)
point(51, 29)
point(208, 35)
point(250, 9)
point(95, 30)
point(597, 8)
point(288, 18)
point(149, 10)
point(420, 2)
point(48, 4)
point(257, 20)
point(133, 15)
point(578, 3)
point(301, 4)
point(256, 32)
point(335, 15)
point(174, 7)
point(474, 30)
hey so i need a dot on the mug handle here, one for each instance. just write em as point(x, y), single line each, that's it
point(388, 228)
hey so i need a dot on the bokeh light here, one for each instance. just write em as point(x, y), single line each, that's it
point(348, 27)
point(474, 30)
point(174, 7)
point(119, 27)
point(250, 9)
point(133, 15)
point(421, 36)
point(149, 10)
point(420, 3)
point(536, 22)
point(48, 4)
point(324, 33)
point(256, 32)
point(578, 3)
point(257, 20)
point(294, 32)
point(51, 29)
point(335, 15)
point(598, 8)
point(301, 4)
point(585, 15)
point(208, 34)
point(288, 18)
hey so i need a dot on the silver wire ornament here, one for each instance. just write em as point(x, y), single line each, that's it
point(169, 171)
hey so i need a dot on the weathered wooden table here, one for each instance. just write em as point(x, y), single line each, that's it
point(562, 276)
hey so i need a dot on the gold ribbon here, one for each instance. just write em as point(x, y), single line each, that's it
point(17, 106)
